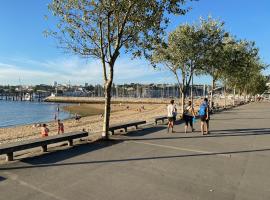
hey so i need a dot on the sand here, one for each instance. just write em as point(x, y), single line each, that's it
point(92, 124)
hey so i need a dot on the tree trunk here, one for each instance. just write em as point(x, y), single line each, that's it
point(225, 96)
point(234, 96)
point(107, 109)
point(183, 103)
point(191, 90)
point(212, 91)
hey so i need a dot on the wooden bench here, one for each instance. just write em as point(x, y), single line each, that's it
point(126, 125)
point(160, 118)
point(10, 148)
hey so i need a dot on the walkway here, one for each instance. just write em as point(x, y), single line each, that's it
point(230, 164)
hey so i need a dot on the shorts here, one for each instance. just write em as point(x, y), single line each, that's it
point(188, 120)
point(203, 118)
point(171, 119)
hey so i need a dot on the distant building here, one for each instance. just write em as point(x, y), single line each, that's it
point(55, 84)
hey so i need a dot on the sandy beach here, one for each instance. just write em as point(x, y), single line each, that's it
point(92, 124)
point(121, 112)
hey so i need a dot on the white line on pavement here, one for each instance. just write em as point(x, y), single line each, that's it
point(181, 149)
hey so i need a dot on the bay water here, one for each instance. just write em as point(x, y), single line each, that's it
point(13, 113)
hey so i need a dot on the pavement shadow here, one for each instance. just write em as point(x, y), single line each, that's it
point(149, 130)
point(214, 133)
point(43, 165)
point(64, 154)
point(145, 131)
point(244, 118)
point(241, 130)
point(2, 178)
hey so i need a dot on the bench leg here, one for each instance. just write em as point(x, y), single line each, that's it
point(70, 143)
point(44, 148)
point(136, 126)
point(9, 156)
point(112, 132)
point(125, 129)
point(156, 122)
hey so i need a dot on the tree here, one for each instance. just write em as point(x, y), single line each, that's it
point(244, 71)
point(102, 28)
point(191, 49)
point(215, 37)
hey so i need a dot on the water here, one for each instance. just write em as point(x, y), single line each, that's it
point(14, 113)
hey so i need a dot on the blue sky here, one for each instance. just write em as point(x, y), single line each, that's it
point(26, 55)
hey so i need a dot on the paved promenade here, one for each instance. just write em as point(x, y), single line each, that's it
point(232, 163)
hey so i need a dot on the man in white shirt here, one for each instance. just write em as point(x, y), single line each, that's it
point(171, 109)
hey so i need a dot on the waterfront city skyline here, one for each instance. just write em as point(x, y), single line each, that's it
point(27, 57)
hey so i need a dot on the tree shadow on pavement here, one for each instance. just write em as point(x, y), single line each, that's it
point(214, 133)
point(64, 154)
point(135, 159)
point(144, 131)
point(244, 118)
point(2, 178)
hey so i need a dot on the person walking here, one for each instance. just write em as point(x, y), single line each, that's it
point(171, 110)
point(204, 116)
point(189, 114)
point(60, 127)
point(44, 130)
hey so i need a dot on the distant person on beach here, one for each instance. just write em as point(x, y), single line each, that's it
point(44, 130)
point(188, 116)
point(204, 116)
point(77, 117)
point(171, 109)
point(55, 116)
point(60, 126)
point(58, 108)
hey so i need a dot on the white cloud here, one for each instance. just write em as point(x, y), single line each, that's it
point(75, 70)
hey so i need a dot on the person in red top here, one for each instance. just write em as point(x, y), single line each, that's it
point(60, 127)
point(44, 130)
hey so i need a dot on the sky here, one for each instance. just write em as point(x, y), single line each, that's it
point(29, 58)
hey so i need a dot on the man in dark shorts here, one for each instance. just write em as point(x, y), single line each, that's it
point(189, 114)
point(204, 116)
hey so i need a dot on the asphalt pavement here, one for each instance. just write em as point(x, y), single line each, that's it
point(232, 163)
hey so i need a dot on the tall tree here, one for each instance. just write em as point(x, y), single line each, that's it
point(181, 55)
point(102, 28)
point(243, 63)
point(215, 37)
point(194, 49)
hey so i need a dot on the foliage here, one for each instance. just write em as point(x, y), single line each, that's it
point(102, 28)
point(191, 49)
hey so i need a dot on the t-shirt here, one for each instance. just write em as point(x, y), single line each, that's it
point(171, 110)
